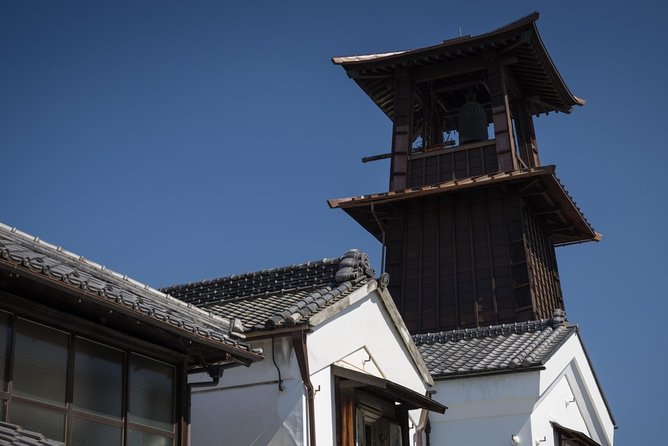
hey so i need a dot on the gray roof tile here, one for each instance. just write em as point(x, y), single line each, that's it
point(11, 434)
point(113, 290)
point(493, 349)
point(279, 297)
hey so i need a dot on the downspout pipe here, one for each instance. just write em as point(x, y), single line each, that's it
point(215, 372)
point(299, 344)
point(382, 231)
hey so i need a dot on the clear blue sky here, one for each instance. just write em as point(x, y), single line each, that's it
point(177, 141)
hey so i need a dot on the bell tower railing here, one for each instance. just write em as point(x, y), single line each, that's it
point(440, 164)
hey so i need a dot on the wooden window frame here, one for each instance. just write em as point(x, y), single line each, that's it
point(350, 400)
point(104, 337)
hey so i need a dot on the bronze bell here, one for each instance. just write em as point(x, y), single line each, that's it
point(472, 124)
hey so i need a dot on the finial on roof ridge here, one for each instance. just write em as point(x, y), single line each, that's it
point(558, 318)
point(353, 265)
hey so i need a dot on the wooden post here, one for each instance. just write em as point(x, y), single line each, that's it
point(402, 130)
point(402, 417)
point(531, 138)
point(347, 414)
point(503, 127)
point(525, 134)
point(183, 398)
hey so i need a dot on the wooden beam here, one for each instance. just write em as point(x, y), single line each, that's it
point(347, 415)
point(401, 131)
point(503, 127)
point(449, 69)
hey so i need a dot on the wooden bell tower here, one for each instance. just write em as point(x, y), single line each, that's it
point(471, 218)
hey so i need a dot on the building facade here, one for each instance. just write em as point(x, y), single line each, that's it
point(89, 356)
point(469, 227)
point(340, 368)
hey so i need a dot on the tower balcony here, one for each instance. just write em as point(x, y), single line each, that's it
point(442, 163)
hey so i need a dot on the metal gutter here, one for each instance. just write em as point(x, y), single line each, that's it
point(299, 344)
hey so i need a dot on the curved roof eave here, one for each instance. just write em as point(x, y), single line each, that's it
point(455, 48)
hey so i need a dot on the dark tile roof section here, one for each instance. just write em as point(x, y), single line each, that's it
point(494, 349)
point(11, 434)
point(279, 297)
point(116, 290)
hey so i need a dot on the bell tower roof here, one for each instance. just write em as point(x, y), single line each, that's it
point(471, 218)
point(518, 43)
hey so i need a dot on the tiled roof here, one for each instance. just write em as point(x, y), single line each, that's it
point(11, 434)
point(279, 297)
point(579, 229)
point(533, 67)
point(111, 290)
point(498, 348)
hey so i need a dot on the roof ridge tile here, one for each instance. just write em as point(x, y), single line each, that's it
point(108, 287)
point(495, 348)
point(280, 296)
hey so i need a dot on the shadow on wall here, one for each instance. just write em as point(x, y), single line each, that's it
point(258, 415)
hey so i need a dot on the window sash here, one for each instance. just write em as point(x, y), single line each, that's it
point(72, 413)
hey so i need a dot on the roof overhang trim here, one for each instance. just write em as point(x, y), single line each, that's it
point(391, 390)
point(519, 41)
point(483, 373)
point(210, 349)
point(363, 208)
point(77, 283)
point(576, 437)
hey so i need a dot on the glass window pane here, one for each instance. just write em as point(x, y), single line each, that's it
point(49, 423)
point(40, 362)
point(138, 438)
point(395, 435)
point(98, 378)
point(88, 433)
point(5, 347)
point(151, 399)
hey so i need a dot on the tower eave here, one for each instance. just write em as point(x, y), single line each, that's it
point(539, 186)
point(519, 45)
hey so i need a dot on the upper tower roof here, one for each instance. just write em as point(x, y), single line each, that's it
point(471, 216)
point(518, 43)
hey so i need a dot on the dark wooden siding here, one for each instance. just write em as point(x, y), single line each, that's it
point(470, 259)
point(446, 165)
point(542, 261)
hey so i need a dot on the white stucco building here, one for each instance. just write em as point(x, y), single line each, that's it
point(340, 366)
point(525, 383)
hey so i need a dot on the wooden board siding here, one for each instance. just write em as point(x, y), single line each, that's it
point(453, 164)
point(544, 275)
point(470, 259)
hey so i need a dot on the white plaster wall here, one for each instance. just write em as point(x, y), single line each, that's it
point(487, 410)
point(484, 410)
point(247, 407)
point(569, 376)
point(556, 405)
point(365, 326)
point(325, 406)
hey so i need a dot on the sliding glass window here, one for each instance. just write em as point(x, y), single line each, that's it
point(75, 389)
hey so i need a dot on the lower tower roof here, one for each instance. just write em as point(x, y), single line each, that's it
point(539, 186)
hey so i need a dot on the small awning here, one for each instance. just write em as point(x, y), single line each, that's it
point(388, 390)
point(573, 436)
